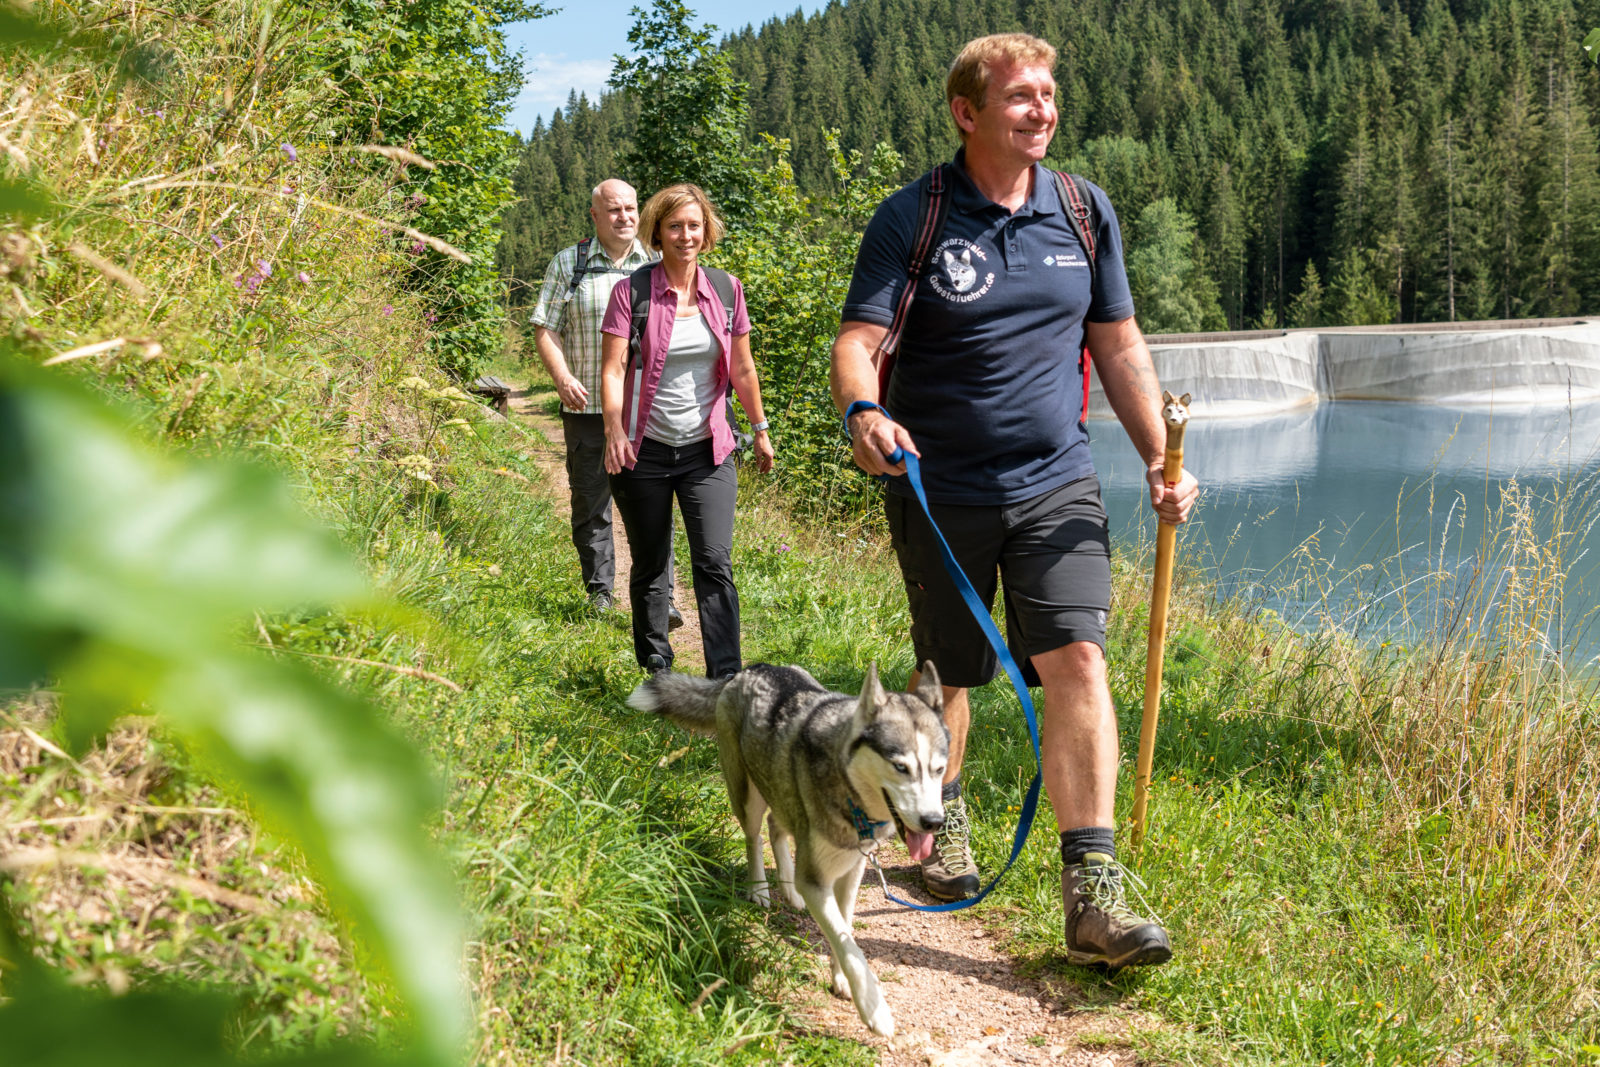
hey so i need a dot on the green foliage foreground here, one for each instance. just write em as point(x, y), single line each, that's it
point(1365, 855)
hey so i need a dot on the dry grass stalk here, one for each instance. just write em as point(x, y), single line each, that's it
point(89, 257)
point(435, 243)
point(413, 672)
point(397, 155)
point(155, 874)
point(85, 351)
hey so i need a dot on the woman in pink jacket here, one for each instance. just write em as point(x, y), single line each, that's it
point(667, 432)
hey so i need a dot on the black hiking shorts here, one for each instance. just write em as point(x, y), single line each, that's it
point(1052, 553)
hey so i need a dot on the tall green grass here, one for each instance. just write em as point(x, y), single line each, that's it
point(1368, 851)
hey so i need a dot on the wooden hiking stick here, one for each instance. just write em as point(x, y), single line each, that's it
point(1175, 412)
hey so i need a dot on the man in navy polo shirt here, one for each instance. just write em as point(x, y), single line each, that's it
point(988, 393)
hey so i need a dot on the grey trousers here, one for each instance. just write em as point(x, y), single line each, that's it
point(591, 500)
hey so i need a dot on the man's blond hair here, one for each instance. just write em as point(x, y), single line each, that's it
point(971, 72)
point(669, 200)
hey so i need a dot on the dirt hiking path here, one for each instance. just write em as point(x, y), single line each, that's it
point(957, 1000)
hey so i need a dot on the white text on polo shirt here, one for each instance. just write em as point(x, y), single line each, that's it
point(955, 274)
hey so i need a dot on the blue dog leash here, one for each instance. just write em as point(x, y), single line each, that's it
point(981, 614)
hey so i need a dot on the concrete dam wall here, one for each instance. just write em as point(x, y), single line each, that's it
point(1516, 362)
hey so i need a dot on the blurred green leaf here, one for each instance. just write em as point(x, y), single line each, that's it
point(1591, 45)
point(20, 29)
point(355, 797)
point(126, 580)
point(110, 540)
point(23, 200)
point(49, 1024)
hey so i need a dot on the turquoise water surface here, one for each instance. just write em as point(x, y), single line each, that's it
point(1392, 520)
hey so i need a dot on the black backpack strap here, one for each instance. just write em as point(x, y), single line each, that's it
point(639, 309)
point(580, 267)
point(722, 282)
point(1074, 193)
point(933, 209)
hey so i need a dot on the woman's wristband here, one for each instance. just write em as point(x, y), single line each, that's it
point(759, 427)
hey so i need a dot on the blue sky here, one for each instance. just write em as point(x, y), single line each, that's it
point(574, 48)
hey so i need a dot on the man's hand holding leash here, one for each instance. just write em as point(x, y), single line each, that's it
point(874, 437)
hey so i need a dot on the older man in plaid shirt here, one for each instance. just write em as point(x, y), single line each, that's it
point(577, 288)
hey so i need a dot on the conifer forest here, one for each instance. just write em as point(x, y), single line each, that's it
point(1310, 162)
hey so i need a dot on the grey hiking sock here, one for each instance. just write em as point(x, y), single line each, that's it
point(1075, 843)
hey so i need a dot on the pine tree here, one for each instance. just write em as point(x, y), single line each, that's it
point(1171, 292)
point(1306, 307)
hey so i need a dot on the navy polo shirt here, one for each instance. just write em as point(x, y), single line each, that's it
point(987, 380)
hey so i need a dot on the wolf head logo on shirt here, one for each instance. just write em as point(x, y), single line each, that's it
point(962, 274)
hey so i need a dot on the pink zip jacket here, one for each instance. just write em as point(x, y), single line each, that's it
point(640, 383)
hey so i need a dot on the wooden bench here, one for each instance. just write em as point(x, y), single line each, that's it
point(498, 392)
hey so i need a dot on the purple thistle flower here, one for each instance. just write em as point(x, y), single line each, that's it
point(388, 309)
point(264, 267)
point(216, 240)
point(288, 150)
point(417, 247)
point(303, 278)
point(161, 114)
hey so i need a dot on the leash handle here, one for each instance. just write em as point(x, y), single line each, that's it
point(981, 614)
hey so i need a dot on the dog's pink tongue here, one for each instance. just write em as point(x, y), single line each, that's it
point(919, 845)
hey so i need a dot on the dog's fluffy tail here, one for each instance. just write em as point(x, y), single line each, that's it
point(690, 702)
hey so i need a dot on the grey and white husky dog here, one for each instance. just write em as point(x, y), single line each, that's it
point(838, 773)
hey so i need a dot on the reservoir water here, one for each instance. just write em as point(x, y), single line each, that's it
point(1391, 520)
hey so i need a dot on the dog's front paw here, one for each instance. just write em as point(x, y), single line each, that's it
point(841, 984)
point(880, 1020)
point(792, 895)
point(757, 894)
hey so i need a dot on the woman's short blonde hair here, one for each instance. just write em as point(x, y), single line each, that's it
point(669, 200)
point(969, 74)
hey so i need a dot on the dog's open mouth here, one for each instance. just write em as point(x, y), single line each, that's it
point(918, 843)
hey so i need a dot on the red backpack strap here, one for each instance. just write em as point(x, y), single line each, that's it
point(933, 208)
point(1074, 193)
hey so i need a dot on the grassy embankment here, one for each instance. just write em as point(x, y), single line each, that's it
point(1364, 856)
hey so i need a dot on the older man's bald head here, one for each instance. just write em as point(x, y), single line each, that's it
point(614, 207)
point(613, 187)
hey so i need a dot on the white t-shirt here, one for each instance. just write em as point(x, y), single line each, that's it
point(681, 412)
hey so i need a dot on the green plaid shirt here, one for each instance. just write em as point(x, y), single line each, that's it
point(577, 320)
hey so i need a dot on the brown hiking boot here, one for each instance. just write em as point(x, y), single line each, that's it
point(1101, 928)
point(949, 873)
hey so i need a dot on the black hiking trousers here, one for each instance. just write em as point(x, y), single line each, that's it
point(706, 494)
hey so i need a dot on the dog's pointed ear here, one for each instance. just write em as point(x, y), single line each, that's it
point(872, 695)
point(1184, 399)
point(929, 690)
point(1167, 397)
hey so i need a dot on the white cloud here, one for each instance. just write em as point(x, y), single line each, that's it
point(550, 78)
